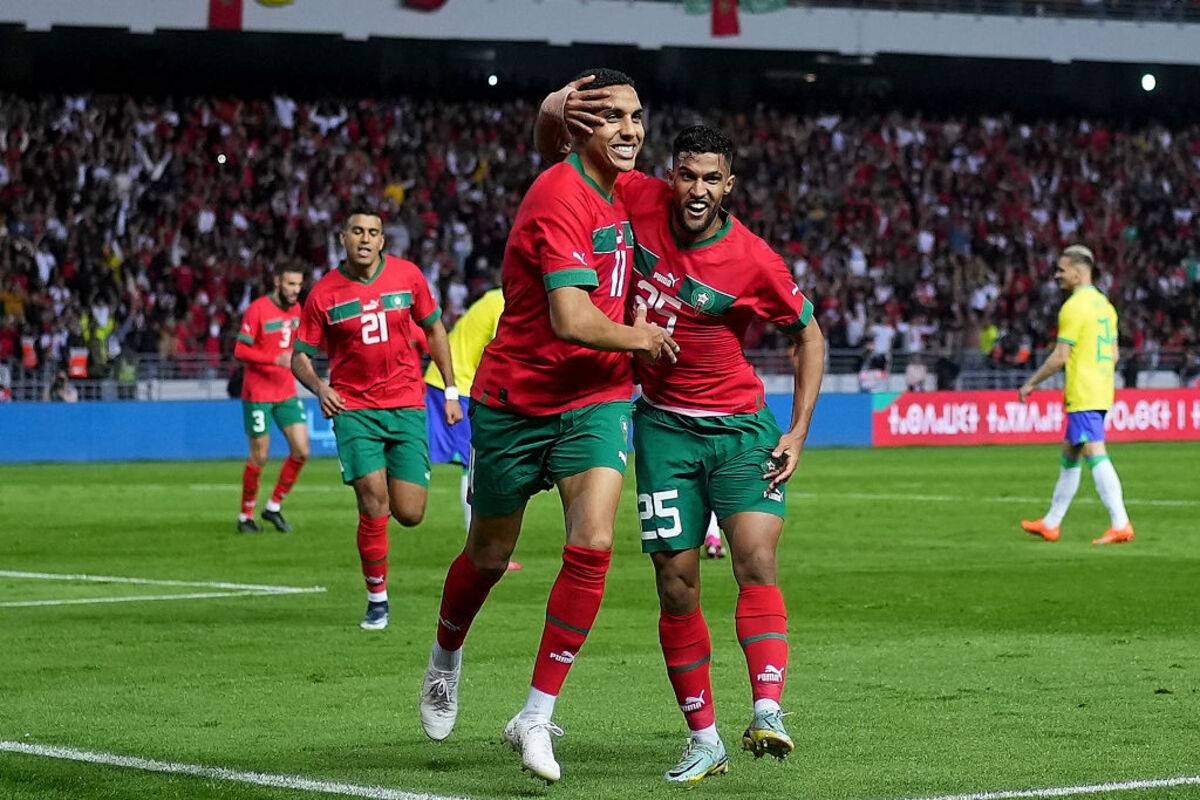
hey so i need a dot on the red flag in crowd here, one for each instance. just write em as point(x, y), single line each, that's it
point(225, 15)
point(725, 18)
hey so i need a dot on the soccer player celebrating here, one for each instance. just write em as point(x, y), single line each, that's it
point(264, 346)
point(1087, 348)
point(360, 315)
point(706, 443)
point(550, 406)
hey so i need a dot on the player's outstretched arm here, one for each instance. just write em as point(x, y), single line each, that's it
point(576, 320)
point(1056, 361)
point(570, 109)
point(808, 366)
point(439, 351)
point(331, 402)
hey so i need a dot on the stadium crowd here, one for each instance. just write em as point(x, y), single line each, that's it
point(132, 226)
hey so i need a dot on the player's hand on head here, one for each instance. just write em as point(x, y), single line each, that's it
point(784, 459)
point(454, 412)
point(582, 106)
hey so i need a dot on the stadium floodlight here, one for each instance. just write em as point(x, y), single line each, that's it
point(1149, 82)
point(493, 79)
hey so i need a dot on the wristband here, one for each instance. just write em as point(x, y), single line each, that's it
point(451, 392)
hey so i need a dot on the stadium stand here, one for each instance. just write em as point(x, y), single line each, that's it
point(135, 231)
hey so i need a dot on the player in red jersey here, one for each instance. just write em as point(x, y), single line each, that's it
point(550, 406)
point(360, 314)
point(264, 346)
point(705, 440)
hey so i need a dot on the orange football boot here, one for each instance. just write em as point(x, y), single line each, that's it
point(1116, 535)
point(1039, 528)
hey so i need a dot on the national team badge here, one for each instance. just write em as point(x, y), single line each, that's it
point(703, 301)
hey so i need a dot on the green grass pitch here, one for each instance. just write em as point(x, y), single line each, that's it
point(935, 649)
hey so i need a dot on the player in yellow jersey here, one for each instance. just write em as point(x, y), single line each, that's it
point(451, 444)
point(1087, 348)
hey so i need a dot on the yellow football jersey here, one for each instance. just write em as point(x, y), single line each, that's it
point(1088, 322)
point(468, 337)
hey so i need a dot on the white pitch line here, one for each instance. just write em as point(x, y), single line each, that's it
point(81, 601)
point(1073, 791)
point(250, 587)
point(949, 498)
point(297, 782)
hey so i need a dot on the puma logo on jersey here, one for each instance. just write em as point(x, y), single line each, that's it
point(773, 494)
point(690, 704)
point(795, 291)
point(624, 458)
point(371, 306)
point(669, 280)
point(770, 674)
point(580, 257)
point(565, 657)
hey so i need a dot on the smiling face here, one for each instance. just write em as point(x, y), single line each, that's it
point(613, 147)
point(699, 182)
point(363, 239)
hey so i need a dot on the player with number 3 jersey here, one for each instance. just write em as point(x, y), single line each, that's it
point(264, 346)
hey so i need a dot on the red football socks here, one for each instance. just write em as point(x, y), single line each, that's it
point(463, 594)
point(373, 551)
point(250, 477)
point(571, 610)
point(687, 650)
point(287, 476)
point(762, 632)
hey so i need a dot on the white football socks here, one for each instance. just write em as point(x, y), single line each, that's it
point(707, 735)
point(538, 704)
point(1064, 491)
point(1108, 486)
point(446, 660)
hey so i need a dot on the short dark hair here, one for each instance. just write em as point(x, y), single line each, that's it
point(290, 266)
point(605, 77)
point(702, 139)
point(364, 210)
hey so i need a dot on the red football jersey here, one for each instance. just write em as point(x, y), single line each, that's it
point(267, 330)
point(364, 326)
point(705, 295)
point(567, 233)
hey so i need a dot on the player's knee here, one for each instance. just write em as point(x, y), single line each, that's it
point(591, 537)
point(407, 516)
point(678, 597)
point(372, 505)
point(300, 453)
point(488, 556)
point(259, 458)
point(757, 570)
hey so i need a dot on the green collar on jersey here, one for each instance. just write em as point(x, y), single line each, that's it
point(342, 268)
point(716, 237)
point(575, 161)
